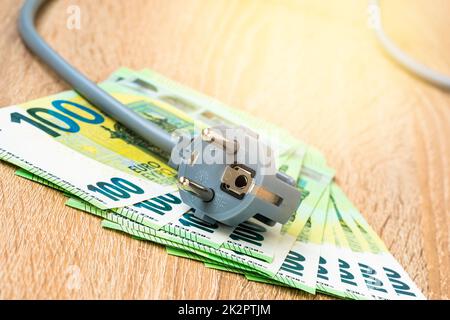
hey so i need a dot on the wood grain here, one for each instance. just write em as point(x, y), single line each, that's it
point(310, 66)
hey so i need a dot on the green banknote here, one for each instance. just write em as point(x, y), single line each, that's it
point(203, 109)
point(292, 273)
point(222, 267)
point(67, 144)
point(360, 265)
point(258, 278)
point(221, 255)
point(313, 175)
point(186, 254)
point(76, 125)
point(337, 274)
point(207, 262)
point(251, 238)
point(27, 175)
point(383, 275)
point(299, 269)
point(165, 233)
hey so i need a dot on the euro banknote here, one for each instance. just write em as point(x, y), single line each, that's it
point(351, 263)
point(283, 243)
point(248, 233)
point(201, 108)
point(332, 272)
point(28, 175)
point(317, 262)
point(207, 262)
point(75, 173)
point(299, 269)
point(67, 144)
point(254, 239)
point(383, 275)
point(292, 273)
point(74, 133)
point(248, 271)
point(221, 255)
point(212, 112)
point(266, 239)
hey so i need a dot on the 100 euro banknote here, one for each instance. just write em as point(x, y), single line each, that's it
point(184, 226)
point(71, 129)
point(253, 239)
point(382, 274)
point(77, 146)
point(312, 175)
point(203, 109)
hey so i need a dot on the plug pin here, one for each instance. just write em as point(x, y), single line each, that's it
point(209, 135)
point(204, 193)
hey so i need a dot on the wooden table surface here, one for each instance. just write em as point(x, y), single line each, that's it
point(310, 66)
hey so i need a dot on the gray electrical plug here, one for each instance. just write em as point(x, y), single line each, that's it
point(237, 181)
point(229, 175)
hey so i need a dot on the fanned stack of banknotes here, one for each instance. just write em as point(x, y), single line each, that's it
point(67, 144)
